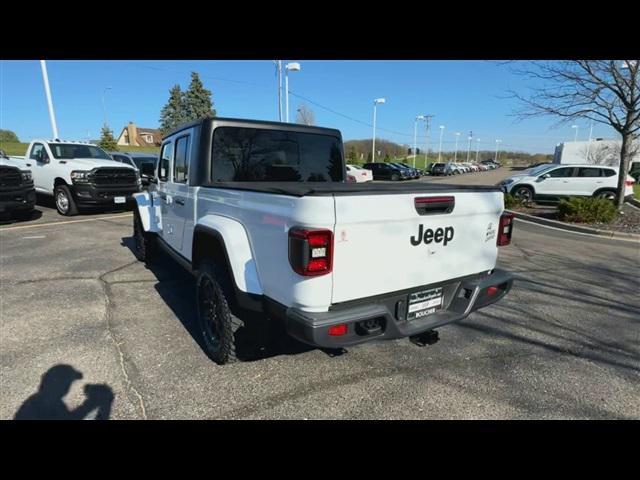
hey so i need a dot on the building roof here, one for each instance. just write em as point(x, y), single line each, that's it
point(157, 136)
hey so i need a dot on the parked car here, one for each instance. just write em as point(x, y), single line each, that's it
point(413, 173)
point(634, 171)
point(387, 171)
point(78, 174)
point(17, 194)
point(491, 162)
point(417, 171)
point(438, 169)
point(360, 174)
point(136, 160)
point(297, 253)
point(453, 169)
point(557, 181)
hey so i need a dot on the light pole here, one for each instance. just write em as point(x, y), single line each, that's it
point(575, 138)
point(415, 138)
point(455, 155)
point(497, 143)
point(294, 67)
point(469, 145)
point(104, 105)
point(47, 90)
point(477, 142)
point(440, 147)
point(373, 148)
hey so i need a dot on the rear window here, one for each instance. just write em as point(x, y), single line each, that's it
point(260, 155)
point(607, 172)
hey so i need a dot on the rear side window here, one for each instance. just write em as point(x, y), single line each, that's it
point(260, 155)
point(589, 172)
point(607, 172)
point(165, 162)
point(181, 161)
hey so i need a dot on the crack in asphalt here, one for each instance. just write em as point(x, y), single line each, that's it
point(106, 287)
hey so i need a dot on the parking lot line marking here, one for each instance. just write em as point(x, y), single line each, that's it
point(34, 236)
point(52, 224)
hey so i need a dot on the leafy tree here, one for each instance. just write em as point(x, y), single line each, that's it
point(387, 158)
point(107, 141)
point(352, 155)
point(369, 157)
point(8, 136)
point(197, 100)
point(173, 113)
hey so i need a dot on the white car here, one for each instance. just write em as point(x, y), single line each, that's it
point(555, 180)
point(451, 168)
point(282, 234)
point(359, 174)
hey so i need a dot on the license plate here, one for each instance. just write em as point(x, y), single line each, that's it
point(119, 200)
point(426, 302)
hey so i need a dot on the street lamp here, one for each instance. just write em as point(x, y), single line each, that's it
point(589, 143)
point(104, 107)
point(440, 147)
point(477, 142)
point(575, 138)
point(469, 145)
point(294, 67)
point(47, 91)
point(373, 149)
point(498, 141)
point(415, 138)
point(455, 155)
point(426, 140)
point(278, 65)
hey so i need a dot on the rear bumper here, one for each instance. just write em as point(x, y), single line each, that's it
point(461, 298)
point(94, 195)
point(20, 199)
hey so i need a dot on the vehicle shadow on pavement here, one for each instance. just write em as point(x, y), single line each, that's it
point(47, 403)
point(48, 201)
point(259, 338)
point(11, 219)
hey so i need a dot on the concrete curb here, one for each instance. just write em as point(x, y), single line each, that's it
point(633, 201)
point(575, 228)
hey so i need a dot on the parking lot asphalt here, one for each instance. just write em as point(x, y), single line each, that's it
point(564, 343)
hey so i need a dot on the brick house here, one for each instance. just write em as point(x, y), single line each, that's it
point(139, 136)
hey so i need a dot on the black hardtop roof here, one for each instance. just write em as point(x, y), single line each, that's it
point(294, 127)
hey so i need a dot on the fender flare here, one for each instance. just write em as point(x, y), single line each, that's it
point(149, 213)
point(236, 247)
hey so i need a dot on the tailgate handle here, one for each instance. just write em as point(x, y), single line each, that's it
point(433, 205)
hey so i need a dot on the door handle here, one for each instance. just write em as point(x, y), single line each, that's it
point(179, 200)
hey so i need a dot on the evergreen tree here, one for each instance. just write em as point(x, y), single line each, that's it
point(352, 156)
point(197, 100)
point(173, 113)
point(107, 142)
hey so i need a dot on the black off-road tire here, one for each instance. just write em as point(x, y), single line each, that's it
point(524, 193)
point(65, 203)
point(145, 243)
point(217, 324)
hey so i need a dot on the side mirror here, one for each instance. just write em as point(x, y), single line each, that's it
point(543, 177)
point(148, 170)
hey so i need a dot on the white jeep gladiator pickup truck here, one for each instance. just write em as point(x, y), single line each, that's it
point(261, 214)
point(78, 174)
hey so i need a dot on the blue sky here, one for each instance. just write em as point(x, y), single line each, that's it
point(463, 95)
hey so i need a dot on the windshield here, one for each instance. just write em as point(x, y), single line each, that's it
point(72, 150)
point(140, 160)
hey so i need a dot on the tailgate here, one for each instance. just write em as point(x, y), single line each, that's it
point(376, 247)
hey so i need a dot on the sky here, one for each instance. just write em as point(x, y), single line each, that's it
point(464, 96)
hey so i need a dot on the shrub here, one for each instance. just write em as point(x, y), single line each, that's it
point(510, 201)
point(587, 210)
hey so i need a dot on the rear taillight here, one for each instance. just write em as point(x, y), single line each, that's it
point(629, 183)
point(351, 179)
point(310, 251)
point(505, 229)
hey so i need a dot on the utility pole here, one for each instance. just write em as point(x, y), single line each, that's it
point(469, 145)
point(589, 143)
point(477, 142)
point(497, 143)
point(278, 64)
point(373, 147)
point(415, 138)
point(426, 139)
point(47, 90)
point(440, 147)
point(455, 155)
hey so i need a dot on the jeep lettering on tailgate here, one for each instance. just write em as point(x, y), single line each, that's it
point(427, 236)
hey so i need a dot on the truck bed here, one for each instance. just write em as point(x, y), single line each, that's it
point(304, 189)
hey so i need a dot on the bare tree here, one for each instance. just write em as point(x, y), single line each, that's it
point(305, 116)
point(605, 91)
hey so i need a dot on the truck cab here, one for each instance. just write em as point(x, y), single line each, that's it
point(79, 174)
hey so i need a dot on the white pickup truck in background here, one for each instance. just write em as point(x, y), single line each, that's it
point(262, 214)
point(17, 195)
point(78, 174)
